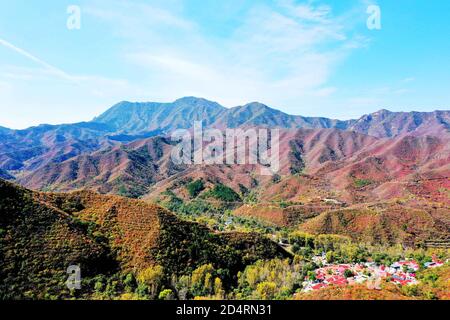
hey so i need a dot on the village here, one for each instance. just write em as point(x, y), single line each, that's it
point(401, 273)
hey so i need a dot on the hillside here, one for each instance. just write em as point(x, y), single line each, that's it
point(39, 242)
point(5, 175)
point(42, 234)
point(127, 170)
point(314, 165)
point(339, 167)
point(144, 166)
point(138, 118)
point(29, 149)
point(384, 223)
point(389, 124)
point(24, 151)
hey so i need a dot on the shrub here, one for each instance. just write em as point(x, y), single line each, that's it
point(166, 294)
point(194, 188)
point(361, 183)
point(224, 193)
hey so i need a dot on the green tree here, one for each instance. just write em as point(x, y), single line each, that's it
point(194, 188)
point(202, 280)
point(166, 294)
point(266, 290)
point(151, 277)
point(348, 273)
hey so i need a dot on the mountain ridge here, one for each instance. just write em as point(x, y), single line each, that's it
point(28, 150)
point(190, 101)
point(42, 234)
point(382, 123)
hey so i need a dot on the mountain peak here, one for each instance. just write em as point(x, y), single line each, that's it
point(256, 107)
point(195, 103)
point(256, 104)
point(142, 118)
point(382, 111)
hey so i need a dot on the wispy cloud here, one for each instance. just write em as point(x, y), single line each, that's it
point(138, 21)
point(307, 11)
point(281, 53)
point(97, 85)
point(278, 54)
point(4, 87)
point(80, 93)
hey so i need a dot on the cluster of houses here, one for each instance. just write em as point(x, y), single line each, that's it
point(400, 272)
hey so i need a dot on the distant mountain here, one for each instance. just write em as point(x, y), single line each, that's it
point(36, 146)
point(5, 175)
point(351, 166)
point(4, 131)
point(30, 149)
point(385, 123)
point(127, 170)
point(257, 114)
point(141, 118)
point(138, 118)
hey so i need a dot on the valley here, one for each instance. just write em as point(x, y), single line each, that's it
point(107, 196)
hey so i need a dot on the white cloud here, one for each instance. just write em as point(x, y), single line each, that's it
point(54, 70)
point(47, 70)
point(47, 94)
point(307, 12)
point(175, 65)
point(137, 21)
point(283, 55)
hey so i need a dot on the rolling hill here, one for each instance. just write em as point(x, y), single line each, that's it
point(384, 223)
point(29, 149)
point(134, 168)
point(342, 165)
point(383, 179)
point(42, 234)
point(128, 170)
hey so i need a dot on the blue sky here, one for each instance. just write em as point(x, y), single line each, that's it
point(314, 58)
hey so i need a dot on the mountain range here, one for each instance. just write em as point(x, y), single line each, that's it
point(125, 150)
point(144, 118)
point(29, 149)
